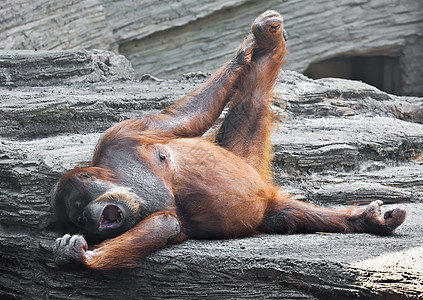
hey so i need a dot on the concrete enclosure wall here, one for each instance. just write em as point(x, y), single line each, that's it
point(167, 38)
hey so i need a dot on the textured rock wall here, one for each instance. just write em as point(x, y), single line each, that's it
point(340, 142)
point(167, 38)
point(48, 25)
point(37, 68)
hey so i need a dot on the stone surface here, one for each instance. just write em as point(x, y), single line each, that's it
point(38, 68)
point(392, 271)
point(265, 266)
point(338, 142)
point(345, 140)
point(159, 36)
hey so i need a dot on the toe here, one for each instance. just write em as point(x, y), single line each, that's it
point(78, 242)
point(377, 203)
point(374, 208)
point(396, 215)
point(270, 14)
point(64, 241)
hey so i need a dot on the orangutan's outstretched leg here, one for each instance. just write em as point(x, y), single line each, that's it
point(250, 116)
point(285, 215)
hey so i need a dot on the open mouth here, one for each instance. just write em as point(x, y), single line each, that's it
point(111, 217)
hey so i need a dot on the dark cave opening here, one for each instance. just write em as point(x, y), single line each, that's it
point(382, 72)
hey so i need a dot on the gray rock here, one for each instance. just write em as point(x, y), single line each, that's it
point(345, 132)
point(360, 193)
point(39, 68)
point(340, 142)
point(158, 36)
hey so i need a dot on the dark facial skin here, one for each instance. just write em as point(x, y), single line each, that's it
point(108, 208)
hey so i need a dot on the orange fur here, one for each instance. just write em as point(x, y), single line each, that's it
point(205, 189)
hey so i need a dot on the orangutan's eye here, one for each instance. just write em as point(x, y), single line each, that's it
point(84, 175)
point(162, 156)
